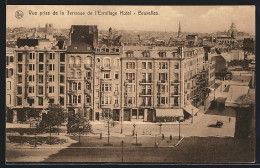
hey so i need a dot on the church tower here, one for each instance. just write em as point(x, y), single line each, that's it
point(179, 31)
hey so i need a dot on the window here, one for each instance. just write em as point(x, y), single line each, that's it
point(150, 65)
point(40, 78)
point(116, 87)
point(130, 65)
point(72, 61)
point(176, 101)
point(143, 65)
point(61, 79)
point(116, 75)
point(163, 65)
point(106, 62)
point(106, 87)
point(31, 89)
point(79, 99)
point(107, 75)
point(51, 67)
point(61, 89)
point(40, 101)
point(88, 74)
point(163, 77)
point(62, 57)
point(78, 61)
point(129, 54)
point(51, 100)
point(31, 78)
point(51, 89)
point(88, 86)
point(11, 59)
point(98, 60)
point(51, 78)
point(20, 57)
point(88, 99)
point(79, 86)
point(40, 67)
point(106, 100)
point(74, 86)
point(32, 56)
point(116, 62)
point(130, 77)
point(79, 73)
point(8, 85)
point(62, 101)
point(20, 78)
point(40, 92)
point(74, 100)
point(117, 49)
point(146, 54)
point(89, 61)
point(11, 72)
point(20, 68)
point(31, 67)
point(8, 99)
point(19, 101)
point(62, 68)
point(176, 65)
point(162, 100)
point(162, 54)
point(41, 59)
point(52, 56)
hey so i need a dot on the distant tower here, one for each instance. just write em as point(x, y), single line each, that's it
point(179, 31)
point(139, 38)
point(110, 32)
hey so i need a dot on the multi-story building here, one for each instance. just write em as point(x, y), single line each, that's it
point(107, 87)
point(80, 69)
point(39, 76)
point(130, 83)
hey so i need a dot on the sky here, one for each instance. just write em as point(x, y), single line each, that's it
point(202, 19)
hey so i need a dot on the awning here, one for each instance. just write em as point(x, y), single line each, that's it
point(189, 109)
point(169, 112)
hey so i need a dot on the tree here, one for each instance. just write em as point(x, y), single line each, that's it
point(77, 123)
point(54, 117)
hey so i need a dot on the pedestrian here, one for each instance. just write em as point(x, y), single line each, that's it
point(229, 119)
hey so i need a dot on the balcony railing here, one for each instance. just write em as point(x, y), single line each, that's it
point(144, 81)
point(106, 67)
point(116, 93)
point(146, 104)
point(116, 105)
point(175, 82)
point(174, 94)
point(87, 66)
point(162, 81)
point(88, 78)
point(129, 81)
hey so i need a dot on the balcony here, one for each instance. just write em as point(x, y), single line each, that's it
point(116, 93)
point(116, 105)
point(77, 65)
point(70, 65)
point(174, 82)
point(162, 81)
point(129, 81)
point(106, 68)
point(87, 104)
point(144, 81)
point(71, 77)
point(87, 91)
point(87, 66)
point(128, 105)
point(88, 78)
point(146, 104)
point(147, 93)
point(175, 94)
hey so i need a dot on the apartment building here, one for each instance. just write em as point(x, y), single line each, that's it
point(80, 69)
point(128, 83)
point(107, 89)
point(10, 76)
point(39, 76)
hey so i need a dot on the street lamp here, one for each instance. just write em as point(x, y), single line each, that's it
point(121, 124)
point(179, 129)
point(80, 127)
point(160, 125)
point(134, 127)
point(192, 116)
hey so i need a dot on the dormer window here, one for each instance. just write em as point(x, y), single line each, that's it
point(129, 54)
point(98, 49)
point(162, 54)
point(146, 54)
point(117, 49)
point(107, 49)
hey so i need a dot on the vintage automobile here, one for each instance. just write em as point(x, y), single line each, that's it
point(219, 124)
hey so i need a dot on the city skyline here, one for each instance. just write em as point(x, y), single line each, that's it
point(201, 19)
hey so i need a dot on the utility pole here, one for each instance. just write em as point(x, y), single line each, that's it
point(108, 133)
point(122, 150)
point(121, 124)
point(179, 129)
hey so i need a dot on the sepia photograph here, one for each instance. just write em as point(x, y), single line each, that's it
point(130, 84)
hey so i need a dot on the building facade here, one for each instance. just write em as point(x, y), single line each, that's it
point(125, 83)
